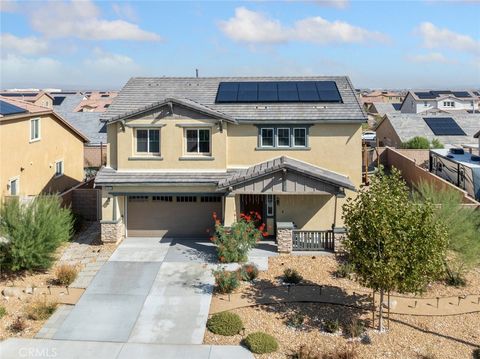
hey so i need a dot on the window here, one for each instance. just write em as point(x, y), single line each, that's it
point(148, 141)
point(14, 186)
point(162, 198)
point(198, 141)
point(34, 129)
point(211, 199)
point(448, 104)
point(425, 103)
point(270, 205)
point(300, 137)
point(186, 199)
point(58, 168)
point(266, 137)
point(283, 137)
point(138, 198)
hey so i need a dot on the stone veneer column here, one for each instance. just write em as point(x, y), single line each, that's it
point(112, 231)
point(339, 234)
point(285, 237)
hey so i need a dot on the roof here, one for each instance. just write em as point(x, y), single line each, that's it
point(408, 126)
point(477, 135)
point(422, 95)
point(384, 107)
point(30, 96)
point(142, 92)
point(28, 106)
point(378, 93)
point(284, 162)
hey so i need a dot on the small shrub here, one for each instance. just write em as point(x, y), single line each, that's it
point(248, 272)
point(331, 326)
point(3, 311)
point(436, 143)
point(261, 343)
point(476, 353)
point(366, 339)
point(304, 353)
point(455, 279)
point(225, 323)
point(346, 352)
point(18, 325)
point(291, 276)
point(296, 320)
point(417, 142)
point(225, 281)
point(65, 274)
point(354, 328)
point(40, 310)
point(345, 270)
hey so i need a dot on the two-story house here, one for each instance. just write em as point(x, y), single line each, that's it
point(39, 98)
point(181, 149)
point(441, 100)
point(40, 152)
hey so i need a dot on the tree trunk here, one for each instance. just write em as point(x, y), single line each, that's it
point(380, 314)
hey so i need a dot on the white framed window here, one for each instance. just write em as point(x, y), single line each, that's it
point(197, 141)
point(58, 168)
point(14, 186)
point(267, 137)
point(34, 129)
point(283, 137)
point(147, 141)
point(300, 137)
point(270, 205)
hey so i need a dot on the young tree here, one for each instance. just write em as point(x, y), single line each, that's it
point(418, 142)
point(392, 242)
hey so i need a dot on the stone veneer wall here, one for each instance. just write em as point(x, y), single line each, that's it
point(112, 232)
point(284, 240)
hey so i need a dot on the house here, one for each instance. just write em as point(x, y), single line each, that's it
point(40, 98)
point(441, 100)
point(450, 129)
point(180, 149)
point(377, 110)
point(40, 152)
point(95, 150)
point(96, 101)
point(381, 96)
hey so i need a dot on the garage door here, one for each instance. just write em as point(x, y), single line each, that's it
point(171, 216)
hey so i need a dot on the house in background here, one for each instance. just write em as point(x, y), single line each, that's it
point(96, 101)
point(40, 98)
point(40, 152)
point(181, 149)
point(441, 100)
point(377, 110)
point(369, 98)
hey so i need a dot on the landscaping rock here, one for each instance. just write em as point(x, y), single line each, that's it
point(13, 292)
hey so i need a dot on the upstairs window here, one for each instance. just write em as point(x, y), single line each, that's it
point(148, 141)
point(267, 137)
point(35, 129)
point(58, 168)
point(300, 137)
point(198, 141)
point(283, 137)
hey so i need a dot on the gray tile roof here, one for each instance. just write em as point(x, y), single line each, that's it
point(284, 162)
point(408, 126)
point(144, 91)
point(383, 107)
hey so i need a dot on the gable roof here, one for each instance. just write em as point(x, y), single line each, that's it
point(384, 107)
point(143, 92)
point(30, 107)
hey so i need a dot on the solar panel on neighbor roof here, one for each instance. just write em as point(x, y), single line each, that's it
point(278, 91)
point(57, 100)
point(9, 109)
point(444, 126)
point(461, 94)
point(425, 95)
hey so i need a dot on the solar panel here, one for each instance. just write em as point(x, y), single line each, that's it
point(326, 86)
point(267, 92)
point(307, 91)
point(227, 92)
point(9, 109)
point(444, 126)
point(440, 92)
point(247, 92)
point(476, 93)
point(57, 101)
point(425, 95)
point(287, 92)
point(330, 96)
point(461, 94)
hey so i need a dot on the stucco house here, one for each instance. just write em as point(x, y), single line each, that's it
point(40, 152)
point(180, 149)
point(421, 101)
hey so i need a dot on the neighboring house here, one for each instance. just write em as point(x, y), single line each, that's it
point(379, 109)
point(443, 100)
point(181, 149)
point(95, 151)
point(449, 129)
point(369, 98)
point(40, 98)
point(96, 101)
point(40, 152)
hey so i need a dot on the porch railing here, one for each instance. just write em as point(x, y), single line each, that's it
point(313, 240)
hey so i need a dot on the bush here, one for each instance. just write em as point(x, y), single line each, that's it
point(40, 310)
point(296, 320)
point(347, 352)
point(33, 231)
point(354, 328)
point(331, 326)
point(436, 143)
point(18, 325)
point(234, 243)
point(225, 281)
point(455, 279)
point(418, 143)
point(261, 343)
point(248, 272)
point(345, 270)
point(3, 311)
point(65, 274)
point(291, 276)
point(476, 353)
point(225, 323)
point(304, 353)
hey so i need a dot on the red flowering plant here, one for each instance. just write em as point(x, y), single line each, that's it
point(233, 243)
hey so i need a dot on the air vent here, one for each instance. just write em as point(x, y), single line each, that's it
point(475, 158)
point(457, 151)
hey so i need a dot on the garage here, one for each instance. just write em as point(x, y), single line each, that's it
point(172, 215)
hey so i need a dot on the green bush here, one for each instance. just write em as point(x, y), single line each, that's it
point(291, 276)
point(261, 343)
point(436, 143)
point(354, 328)
point(295, 320)
point(234, 243)
point(418, 142)
point(345, 270)
point(248, 272)
point(331, 326)
point(3, 311)
point(225, 281)
point(225, 323)
point(33, 232)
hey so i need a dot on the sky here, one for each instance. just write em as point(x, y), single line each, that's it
point(86, 44)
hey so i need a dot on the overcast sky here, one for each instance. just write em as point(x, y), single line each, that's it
point(388, 44)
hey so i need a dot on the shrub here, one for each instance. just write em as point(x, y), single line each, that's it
point(455, 279)
point(225, 323)
point(248, 272)
point(344, 270)
point(436, 143)
point(65, 274)
point(331, 326)
point(261, 343)
point(40, 310)
point(296, 320)
point(347, 352)
point(417, 142)
point(225, 281)
point(33, 231)
point(18, 325)
point(304, 353)
point(354, 328)
point(234, 243)
point(476, 353)
point(3, 311)
point(291, 276)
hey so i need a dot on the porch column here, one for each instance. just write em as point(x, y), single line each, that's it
point(230, 207)
point(111, 225)
point(285, 237)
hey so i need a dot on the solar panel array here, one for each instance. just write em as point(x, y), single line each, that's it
point(9, 109)
point(278, 91)
point(444, 126)
point(57, 100)
point(431, 95)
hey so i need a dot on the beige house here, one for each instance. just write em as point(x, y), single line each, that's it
point(39, 98)
point(180, 149)
point(39, 151)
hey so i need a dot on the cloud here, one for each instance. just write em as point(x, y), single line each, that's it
point(339, 4)
point(254, 28)
point(125, 11)
point(22, 45)
point(81, 19)
point(8, 6)
point(430, 58)
point(435, 37)
point(103, 59)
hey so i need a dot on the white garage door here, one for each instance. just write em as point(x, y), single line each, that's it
point(172, 216)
